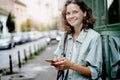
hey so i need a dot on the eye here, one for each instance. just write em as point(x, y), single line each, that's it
point(74, 12)
point(67, 13)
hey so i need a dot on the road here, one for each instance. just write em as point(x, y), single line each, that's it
point(48, 72)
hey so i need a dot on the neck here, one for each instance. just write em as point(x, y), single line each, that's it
point(78, 29)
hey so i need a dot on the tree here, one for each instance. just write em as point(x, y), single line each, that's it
point(26, 26)
point(10, 23)
point(1, 27)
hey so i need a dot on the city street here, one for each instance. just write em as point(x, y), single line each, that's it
point(28, 47)
point(38, 67)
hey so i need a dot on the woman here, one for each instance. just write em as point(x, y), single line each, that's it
point(83, 45)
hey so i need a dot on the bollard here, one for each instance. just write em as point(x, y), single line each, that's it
point(0, 76)
point(35, 50)
point(30, 52)
point(19, 61)
point(25, 56)
point(10, 62)
point(37, 47)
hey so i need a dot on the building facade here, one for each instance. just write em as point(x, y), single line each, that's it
point(17, 9)
point(20, 13)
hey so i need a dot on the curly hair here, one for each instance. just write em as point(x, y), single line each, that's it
point(88, 21)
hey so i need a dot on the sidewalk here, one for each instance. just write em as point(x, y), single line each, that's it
point(36, 69)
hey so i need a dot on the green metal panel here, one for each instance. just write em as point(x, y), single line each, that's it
point(106, 12)
point(108, 31)
point(110, 27)
point(100, 10)
point(111, 33)
point(96, 12)
point(89, 3)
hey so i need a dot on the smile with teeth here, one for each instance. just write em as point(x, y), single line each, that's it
point(72, 21)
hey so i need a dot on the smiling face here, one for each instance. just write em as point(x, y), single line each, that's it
point(74, 15)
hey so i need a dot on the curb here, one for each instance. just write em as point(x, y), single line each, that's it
point(23, 76)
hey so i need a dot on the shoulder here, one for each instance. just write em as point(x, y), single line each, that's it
point(63, 34)
point(93, 33)
point(62, 37)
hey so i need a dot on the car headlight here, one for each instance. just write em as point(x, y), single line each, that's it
point(47, 39)
point(57, 38)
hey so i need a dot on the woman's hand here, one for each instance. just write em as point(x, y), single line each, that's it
point(61, 63)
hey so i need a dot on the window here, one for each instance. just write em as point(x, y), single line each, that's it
point(113, 11)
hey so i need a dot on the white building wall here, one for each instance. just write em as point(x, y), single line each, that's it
point(3, 19)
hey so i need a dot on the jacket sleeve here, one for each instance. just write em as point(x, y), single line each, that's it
point(114, 53)
point(94, 58)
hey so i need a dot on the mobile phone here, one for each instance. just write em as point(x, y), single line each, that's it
point(50, 60)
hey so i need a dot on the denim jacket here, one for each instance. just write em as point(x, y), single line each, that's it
point(85, 51)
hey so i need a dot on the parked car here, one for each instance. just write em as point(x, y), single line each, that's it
point(53, 37)
point(25, 37)
point(35, 35)
point(17, 37)
point(6, 41)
